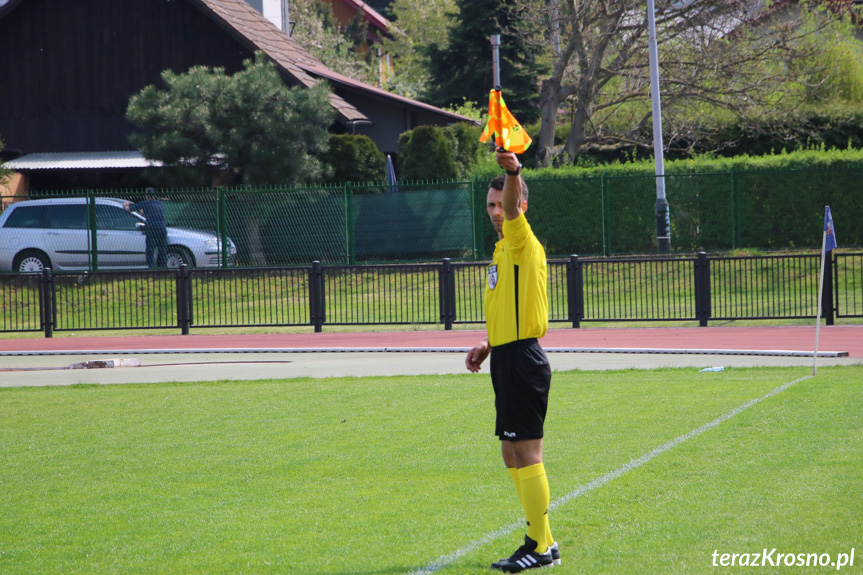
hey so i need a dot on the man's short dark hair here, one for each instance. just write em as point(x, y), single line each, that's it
point(497, 184)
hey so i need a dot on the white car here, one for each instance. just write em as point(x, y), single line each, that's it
point(39, 234)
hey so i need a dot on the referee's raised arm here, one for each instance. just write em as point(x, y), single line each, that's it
point(512, 200)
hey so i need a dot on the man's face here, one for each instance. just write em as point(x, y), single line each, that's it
point(494, 207)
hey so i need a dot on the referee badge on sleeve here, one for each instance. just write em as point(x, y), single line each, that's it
point(492, 276)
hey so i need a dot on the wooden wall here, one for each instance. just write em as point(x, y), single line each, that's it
point(69, 67)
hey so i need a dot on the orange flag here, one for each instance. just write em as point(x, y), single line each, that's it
point(509, 134)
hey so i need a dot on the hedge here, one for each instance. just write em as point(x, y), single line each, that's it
point(767, 202)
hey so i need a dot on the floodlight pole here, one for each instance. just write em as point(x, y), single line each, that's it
point(663, 218)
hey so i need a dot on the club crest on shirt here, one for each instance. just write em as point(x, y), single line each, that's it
point(492, 276)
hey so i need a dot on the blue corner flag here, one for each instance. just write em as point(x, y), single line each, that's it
point(830, 238)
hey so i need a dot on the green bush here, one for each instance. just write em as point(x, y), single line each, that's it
point(771, 202)
point(425, 154)
point(355, 158)
point(836, 126)
point(798, 160)
point(464, 143)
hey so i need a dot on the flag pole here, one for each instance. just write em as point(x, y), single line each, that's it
point(509, 135)
point(829, 234)
point(820, 293)
point(495, 59)
point(495, 62)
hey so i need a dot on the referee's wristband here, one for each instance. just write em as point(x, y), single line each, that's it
point(515, 173)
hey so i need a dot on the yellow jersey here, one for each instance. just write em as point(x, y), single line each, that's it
point(516, 304)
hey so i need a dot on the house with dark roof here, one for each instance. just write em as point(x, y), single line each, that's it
point(345, 11)
point(69, 68)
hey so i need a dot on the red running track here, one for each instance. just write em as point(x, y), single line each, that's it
point(845, 338)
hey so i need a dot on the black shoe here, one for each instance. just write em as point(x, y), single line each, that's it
point(555, 556)
point(525, 558)
point(555, 553)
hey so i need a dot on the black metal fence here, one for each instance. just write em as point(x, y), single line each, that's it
point(580, 290)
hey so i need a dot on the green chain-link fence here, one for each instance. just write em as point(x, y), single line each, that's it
point(354, 224)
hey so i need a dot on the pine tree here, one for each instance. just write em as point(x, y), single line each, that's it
point(245, 129)
point(250, 129)
point(463, 70)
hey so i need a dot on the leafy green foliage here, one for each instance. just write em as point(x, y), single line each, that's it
point(832, 126)
point(717, 203)
point(355, 158)
point(819, 104)
point(317, 30)
point(463, 69)
point(454, 151)
point(425, 153)
point(357, 32)
point(470, 110)
point(416, 25)
point(246, 129)
point(776, 69)
point(798, 160)
point(833, 71)
point(464, 143)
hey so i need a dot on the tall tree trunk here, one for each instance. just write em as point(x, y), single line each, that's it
point(549, 102)
point(257, 254)
point(552, 94)
point(578, 128)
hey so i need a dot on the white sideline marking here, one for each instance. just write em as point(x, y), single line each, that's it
point(447, 560)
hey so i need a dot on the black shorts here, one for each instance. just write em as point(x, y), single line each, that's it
point(521, 376)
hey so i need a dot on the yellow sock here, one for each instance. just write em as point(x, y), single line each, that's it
point(513, 472)
point(535, 497)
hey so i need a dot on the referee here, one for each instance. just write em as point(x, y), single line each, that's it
point(516, 311)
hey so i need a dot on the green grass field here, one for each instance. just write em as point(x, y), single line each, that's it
point(402, 474)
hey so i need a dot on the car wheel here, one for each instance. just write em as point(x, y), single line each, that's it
point(178, 255)
point(31, 261)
